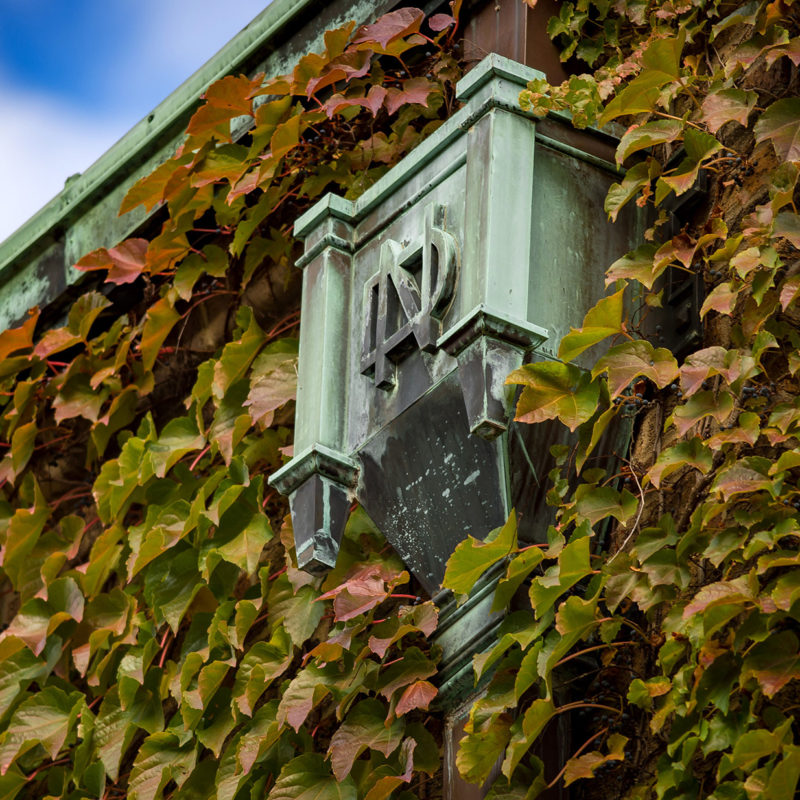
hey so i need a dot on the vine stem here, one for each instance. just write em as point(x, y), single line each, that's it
point(639, 512)
point(164, 647)
point(575, 755)
point(590, 649)
point(199, 456)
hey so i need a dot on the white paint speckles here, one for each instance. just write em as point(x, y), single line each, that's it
point(473, 476)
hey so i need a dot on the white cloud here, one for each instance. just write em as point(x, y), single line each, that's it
point(44, 138)
point(43, 141)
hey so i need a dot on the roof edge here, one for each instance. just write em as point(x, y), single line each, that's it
point(144, 134)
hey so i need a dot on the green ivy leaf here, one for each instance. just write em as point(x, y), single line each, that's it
point(638, 137)
point(552, 390)
point(472, 558)
point(661, 62)
point(307, 777)
point(604, 319)
point(691, 453)
point(45, 719)
point(160, 759)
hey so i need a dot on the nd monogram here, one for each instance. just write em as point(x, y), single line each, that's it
point(404, 303)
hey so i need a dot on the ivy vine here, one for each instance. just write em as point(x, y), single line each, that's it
point(662, 620)
point(159, 640)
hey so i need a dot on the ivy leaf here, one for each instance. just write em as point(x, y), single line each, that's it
point(604, 319)
point(516, 628)
point(22, 445)
point(159, 322)
point(171, 584)
point(418, 695)
point(783, 780)
point(113, 732)
point(390, 27)
point(414, 666)
point(773, 663)
point(366, 726)
point(661, 62)
point(787, 226)
point(245, 549)
point(780, 124)
point(599, 502)
point(307, 689)
point(721, 299)
point(573, 566)
point(413, 90)
point(125, 262)
point(727, 105)
point(149, 190)
point(638, 137)
point(295, 610)
point(636, 178)
point(263, 662)
point(637, 265)
point(77, 398)
point(552, 390)
point(478, 752)
point(179, 437)
point(16, 673)
point(736, 591)
point(520, 566)
point(411, 619)
point(160, 759)
point(472, 558)
point(273, 383)
point(701, 405)
point(345, 67)
point(536, 717)
point(584, 766)
point(22, 534)
point(634, 359)
point(12, 340)
point(692, 453)
point(698, 146)
point(45, 718)
point(740, 478)
point(233, 93)
point(438, 22)
point(307, 777)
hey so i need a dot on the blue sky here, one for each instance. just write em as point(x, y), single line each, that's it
point(75, 75)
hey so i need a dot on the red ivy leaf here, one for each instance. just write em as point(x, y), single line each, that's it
point(354, 64)
point(780, 123)
point(438, 22)
point(390, 27)
point(418, 695)
point(233, 93)
point(722, 299)
point(728, 105)
point(21, 338)
point(124, 263)
point(415, 90)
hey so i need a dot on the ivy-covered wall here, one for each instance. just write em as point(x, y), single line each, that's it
point(160, 641)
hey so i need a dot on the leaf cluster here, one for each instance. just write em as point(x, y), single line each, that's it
point(158, 639)
point(659, 628)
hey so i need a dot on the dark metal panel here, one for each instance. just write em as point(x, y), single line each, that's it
point(427, 483)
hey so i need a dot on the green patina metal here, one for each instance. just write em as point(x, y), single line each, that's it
point(402, 403)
